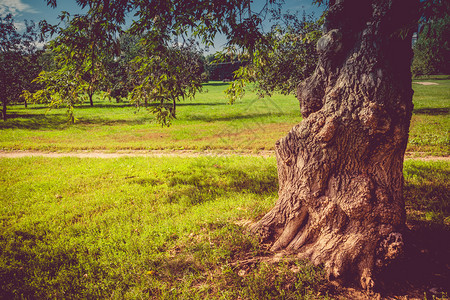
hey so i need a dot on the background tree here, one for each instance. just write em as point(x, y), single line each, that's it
point(58, 88)
point(160, 23)
point(85, 44)
point(80, 51)
point(286, 57)
point(166, 76)
point(221, 66)
point(432, 49)
point(46, 59)
point(18, 61)
point(116, 83)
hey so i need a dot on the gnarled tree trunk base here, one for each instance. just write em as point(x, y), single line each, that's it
point(340, 170)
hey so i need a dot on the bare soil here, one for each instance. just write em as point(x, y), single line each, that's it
point(426, 83)
point(171, 153)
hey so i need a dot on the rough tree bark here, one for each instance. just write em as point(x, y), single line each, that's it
point(340, 170)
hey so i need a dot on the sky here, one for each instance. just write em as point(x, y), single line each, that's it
point(35, 10)
point(38, 10)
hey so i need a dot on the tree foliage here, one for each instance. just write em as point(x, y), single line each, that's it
point(18, 61)
point(432, 49)
point(119, 69)
point(80, 49)
point(172, 67)
point(285, 58)
point(166, 76)
point(168, 71)
point(222, 66)
point(59, 87)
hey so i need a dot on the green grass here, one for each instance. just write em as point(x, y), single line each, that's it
point(207, 122)
point(139, 227)
point(160, 228)
point(427, 190)
point(430, 124)
point(431, 77)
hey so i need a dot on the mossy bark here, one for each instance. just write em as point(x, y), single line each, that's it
point(340, 170)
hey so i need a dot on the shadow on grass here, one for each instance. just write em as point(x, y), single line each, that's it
point(202, 182)
point(432, 77)
point(108, 122)
point(216, 84)
point(432, 111)
point(186, 103)
point(201, 104)
point(34, 121)
point(424, 268)
point(427, 189)
point(32, 107)
point(59, 121)
point(103, 105)
point(28, 263)
point(241, 116)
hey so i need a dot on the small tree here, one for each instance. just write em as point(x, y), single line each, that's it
point(18, 61)
point(80, 51)
point(59, 87)
point(432, 49)
point(166, 76)
point(285, 57)
point(85, 44)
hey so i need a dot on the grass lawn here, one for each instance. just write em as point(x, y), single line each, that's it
point(173, 228)
point(137, 227)
point(207, 122)
point(430, 124)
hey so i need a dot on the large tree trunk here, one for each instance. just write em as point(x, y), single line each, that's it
point(340, 170)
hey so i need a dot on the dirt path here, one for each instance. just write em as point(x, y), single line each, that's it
point(105, 154)
point(426, 83)
point(170, 153)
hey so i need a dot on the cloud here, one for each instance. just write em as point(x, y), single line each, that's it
point(20, 26)
point(15, 7)
point(40, 45)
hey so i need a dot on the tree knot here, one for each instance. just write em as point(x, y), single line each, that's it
point(330, 43)
point(389, 249)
